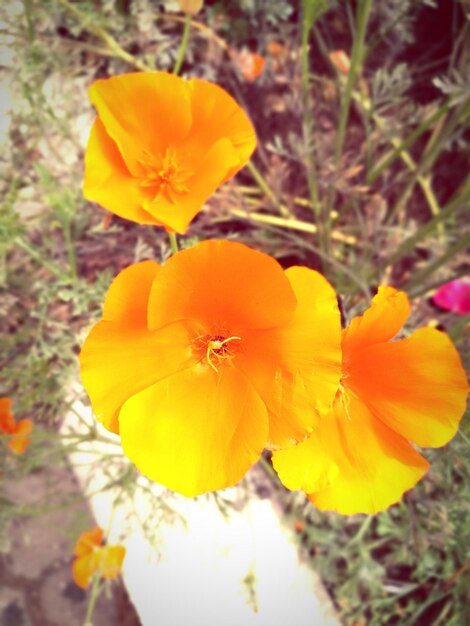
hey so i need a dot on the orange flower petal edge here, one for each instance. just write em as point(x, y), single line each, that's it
point(162, 145)
point(207, 335)
point(359, 459)
point(17, 431)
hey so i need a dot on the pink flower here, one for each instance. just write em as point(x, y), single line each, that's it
point(454, 296)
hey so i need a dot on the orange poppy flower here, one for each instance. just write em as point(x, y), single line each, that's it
point(202, 362)
point(17, 442)
point(161, 145)
point(392, 392)
point(95, 558)
point(251, 64)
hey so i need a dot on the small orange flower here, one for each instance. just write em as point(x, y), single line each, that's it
point(161, 145)
point(95, 558)
point(17, 442)
point(341, 61)
point(202, 362)
point(392, 392)
point(251, 64)
point(191, 7)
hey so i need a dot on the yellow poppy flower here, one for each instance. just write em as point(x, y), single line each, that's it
point(95, 558)
point(161, 145)
point(201, 363)
point(359, 459)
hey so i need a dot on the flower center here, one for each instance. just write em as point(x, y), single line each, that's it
point(164, 175)
point(217, 348)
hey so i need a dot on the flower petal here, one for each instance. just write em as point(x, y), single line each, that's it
point(127, 298)
point(7, 421)
point(119, 360)
point(417, 386)
point(197, 431)
point(296, 368)
point(88, 540)
point(352, 463)
point(382, 321)
point(19, 442)
point(108, 181)
point(216, 114)
point(225, 283)
point(84, 568)
point(211, 171)
point(143, 112)
point(110, 562)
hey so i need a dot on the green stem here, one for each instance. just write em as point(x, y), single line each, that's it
point(38, 257)
point(71, 255)
point(357, 56)
point(95, 589)
point(183, 44)
point(263, 185)
point(173, 242)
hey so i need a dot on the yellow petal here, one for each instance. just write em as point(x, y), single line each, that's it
point(143, 112)
point(382, 321)
point(119, 360)
point(417, 386)
point(296, 367)
point(84, 568)
point(221, 283)
point(352, 463)
point(197, 431)
point(127, 298)
point(88, 540)
point(108, 180)
point(110, 561)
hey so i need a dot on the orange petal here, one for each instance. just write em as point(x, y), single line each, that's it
point(18, 443)
point(143, 112)
point(7, 421)
point(416, 386)
point(224, 285)
point(215, 114)
point(197, 431)
point(296, 368)
point(127, 298)
point(84, 568)
point(119, 360)
point(352, 463)
point(110, 562)
point(210, 171)
point(108, 181)
point(88, 540)
point(382, 321)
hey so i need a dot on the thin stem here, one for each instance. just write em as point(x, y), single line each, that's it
point(110, 42)
point(357, 56)
point(95, 589)
point(264, 185)
point(183, 45)
point(173, 242)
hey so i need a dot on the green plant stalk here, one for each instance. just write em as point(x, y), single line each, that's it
point(95, 589)
point(422, 275)
point(71, 253)
point(183, 44)
point(406, 143)
point(38, 257)
point(307, 24)
point(173, 242)
point(265, 188)
point(357, 57)
point(110, 42)
point(451, 208)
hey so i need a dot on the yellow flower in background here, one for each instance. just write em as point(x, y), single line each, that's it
point(17, 442)
point(201, 363)
point(95, 558)
point(191, 6)
point(359, 459)
point(161, 145)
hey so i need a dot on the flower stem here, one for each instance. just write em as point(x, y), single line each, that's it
point(263, 185)
point(95, 589)
point(173, 242)
point(183, 44)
